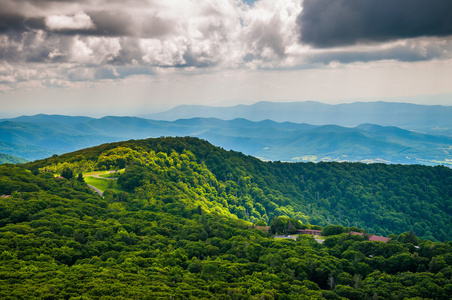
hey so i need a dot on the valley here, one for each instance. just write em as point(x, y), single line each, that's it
point(41, 136)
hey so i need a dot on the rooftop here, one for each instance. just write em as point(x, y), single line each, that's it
point(372, 237)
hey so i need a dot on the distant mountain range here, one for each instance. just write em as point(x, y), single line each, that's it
point(9, 159)
point(27, 152)
point(434, 118)
point(41, 136)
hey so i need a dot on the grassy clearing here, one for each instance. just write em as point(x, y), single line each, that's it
point(103, 184)
point(95, 173)
point(109, 175)
point(100, 173)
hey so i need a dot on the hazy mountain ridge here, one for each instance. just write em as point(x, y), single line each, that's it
point(62, 119)
point(316, 113)
point(267, 139)
point(27, 152)
point(9, 159)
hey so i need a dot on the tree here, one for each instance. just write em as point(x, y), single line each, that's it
point(332, 230)
point(260, 223)
point(67, 173)
point(80, 177)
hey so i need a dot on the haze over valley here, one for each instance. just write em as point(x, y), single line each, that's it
point(39, 136)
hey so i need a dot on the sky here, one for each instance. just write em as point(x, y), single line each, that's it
point(116, 57)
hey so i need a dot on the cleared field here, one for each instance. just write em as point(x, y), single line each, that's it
point(103, 173)
point(110, 175)
point(102, 184)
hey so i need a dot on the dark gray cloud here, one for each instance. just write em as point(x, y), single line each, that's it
point(12, 22)
point(405, 52)
point(121, 23)
point(330, 23)
point(268, 34)
point(111, 23)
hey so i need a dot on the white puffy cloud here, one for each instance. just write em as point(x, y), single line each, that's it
point(270, 29)
point(69, 22)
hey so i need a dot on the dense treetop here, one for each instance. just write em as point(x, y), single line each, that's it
point(382, 199)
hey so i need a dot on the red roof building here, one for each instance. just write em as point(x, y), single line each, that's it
point(375, 238)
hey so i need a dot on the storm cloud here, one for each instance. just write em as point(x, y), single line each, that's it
point(91, 40)
point(332, 23)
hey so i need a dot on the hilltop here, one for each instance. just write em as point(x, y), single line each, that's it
point(381, 198)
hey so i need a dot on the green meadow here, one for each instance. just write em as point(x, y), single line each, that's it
point(102, 184)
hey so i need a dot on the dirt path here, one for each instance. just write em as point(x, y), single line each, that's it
point(95, 189)
point(320, 241)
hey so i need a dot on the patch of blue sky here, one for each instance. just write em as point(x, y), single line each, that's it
point(249, 2)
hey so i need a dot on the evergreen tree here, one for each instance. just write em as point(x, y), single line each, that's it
point(67, 173)
point(80, 177)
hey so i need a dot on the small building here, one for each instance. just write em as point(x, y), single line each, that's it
point(372, 237)
point(309, 231)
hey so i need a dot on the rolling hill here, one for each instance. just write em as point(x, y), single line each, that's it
point(43, 118)
point(268, 140)
point(380, 198)
point(411, 116)
point(27, 152)
point(9, 159)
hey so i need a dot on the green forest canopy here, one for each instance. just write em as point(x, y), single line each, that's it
point(382, 199)
point(173, 233)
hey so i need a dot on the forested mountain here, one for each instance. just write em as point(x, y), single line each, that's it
point(267, 139)
point(380, 198)
point(51, 136)
point(348, 114)
point(9, 159)
point(27, 152)
point(181, 227)
point(43, 118)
